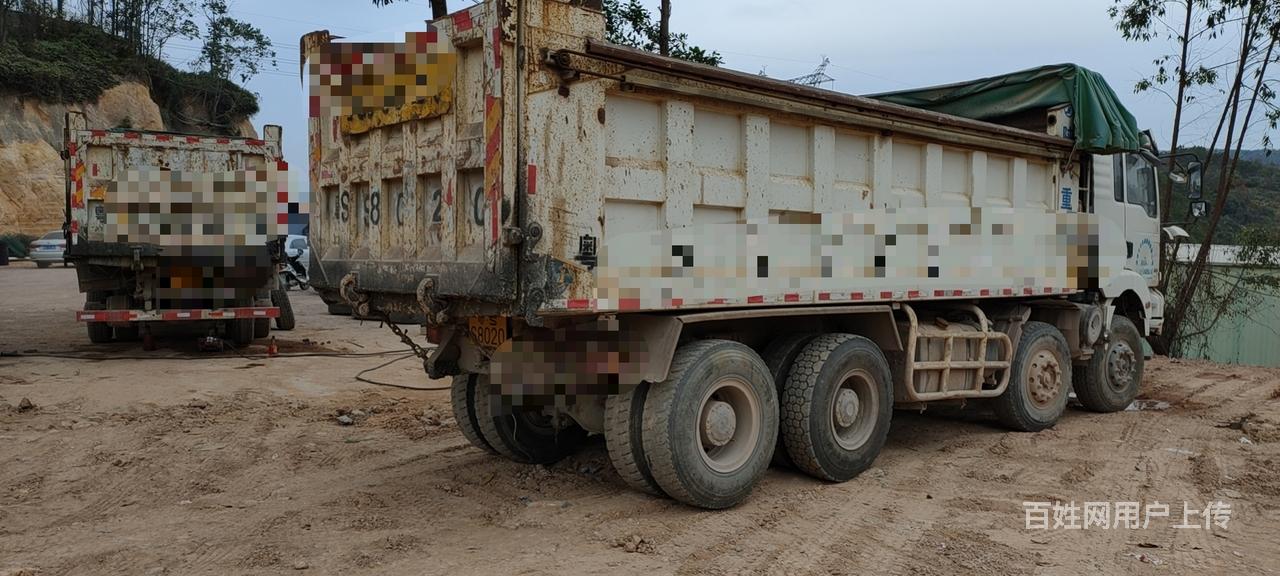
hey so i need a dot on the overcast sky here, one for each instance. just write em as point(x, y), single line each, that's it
point(874, 45)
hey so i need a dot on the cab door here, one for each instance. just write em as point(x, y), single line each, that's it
point(1136, 177)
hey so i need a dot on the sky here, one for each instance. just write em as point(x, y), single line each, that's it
point(874, 45)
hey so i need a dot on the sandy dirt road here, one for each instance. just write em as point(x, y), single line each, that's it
point(228, 465)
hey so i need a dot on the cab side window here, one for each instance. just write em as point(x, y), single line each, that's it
point(1140, 183)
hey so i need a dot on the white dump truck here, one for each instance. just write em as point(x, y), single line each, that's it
point(716, 270)
point(166, 227)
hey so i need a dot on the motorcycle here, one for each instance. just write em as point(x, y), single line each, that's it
point(294, 273)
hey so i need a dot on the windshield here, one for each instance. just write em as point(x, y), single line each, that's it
point(55, 235)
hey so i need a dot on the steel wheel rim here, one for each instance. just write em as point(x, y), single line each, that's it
point(726, 447)
point(1121, 360)
point(1043, 378)
point(853, 409)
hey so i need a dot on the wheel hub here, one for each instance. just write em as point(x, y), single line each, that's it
point(1044, 377)
point(1120, 364)
point(846, 408)
point(719, 424)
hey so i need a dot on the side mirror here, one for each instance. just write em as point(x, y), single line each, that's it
point(1195, 181)
point(1199, 208)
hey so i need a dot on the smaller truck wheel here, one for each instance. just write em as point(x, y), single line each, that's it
point(1039, 382)
point(779, 356)
point(836, 406)
point(240, 332)
point(1111, 379)
point(280, 299)
point(462, 398)
point(99, 332)
point(523, 434)
point(623, 436)
point(710, 428)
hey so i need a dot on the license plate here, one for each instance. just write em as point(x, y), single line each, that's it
point(488, 331)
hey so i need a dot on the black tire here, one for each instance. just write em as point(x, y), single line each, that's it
point(1111, 379)
point(130, 333)
point(623, 435)
point(241, 332)
point(837, 370)
point(99, 332)
point(1039, 380)
point(523, 434)
point(674, 436)
point(41, 264)
point(261, 328)
point(280, 299)
point(779, 356)
point(462, 398)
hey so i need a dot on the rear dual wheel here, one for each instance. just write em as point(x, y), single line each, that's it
point(525, 434)
point(705, 435)
point(837, 404)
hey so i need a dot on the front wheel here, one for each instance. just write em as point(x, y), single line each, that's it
point(1110, 381)
point(1039, 380)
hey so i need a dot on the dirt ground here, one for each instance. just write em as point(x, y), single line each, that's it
point(195, 463)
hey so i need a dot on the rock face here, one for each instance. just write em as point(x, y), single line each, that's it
point(32, 180)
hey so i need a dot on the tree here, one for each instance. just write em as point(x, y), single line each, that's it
point(1250, 29)
point(232, 47)
point(629, 23)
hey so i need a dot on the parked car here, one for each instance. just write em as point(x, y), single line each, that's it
point(48, 250)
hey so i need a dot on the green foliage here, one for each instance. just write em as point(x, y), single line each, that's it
point(232, 47)
point(18, 244)
point(77, 62)
point(1253, 201)
point(629, 23)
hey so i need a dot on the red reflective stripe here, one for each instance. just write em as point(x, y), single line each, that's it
point(913, 294)
point(755, 299)
point(629, 304)
point(856, 296)
point(886, 295)
point(193, 139)
point(163, 137)
point(579, 304)
point(677, 302)
point(1028, 291)
point(282, 166)
point(532, 184)
point(790, 297)
point(957, 292)
point(824, 296)
point(255, 142)
point(462, 21)
point(984, 292)
point(1008, 291)
point(713, 301)
point(939, 293)
point(98, 133)
point(132, 135)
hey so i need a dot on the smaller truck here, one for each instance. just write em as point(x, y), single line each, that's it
point(167, 227)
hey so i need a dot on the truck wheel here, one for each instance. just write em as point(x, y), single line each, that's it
point(99, 332)
point(623, 436)
point(1110, 381)
point(462, 398)
point(241, 332)
point(280, 299)
point(709, 430)
point(523, 433)
point(1039, 381)
point(42, 264)
point(261, 327)
point(130, 333)
point(836, 406)
point(779, 356)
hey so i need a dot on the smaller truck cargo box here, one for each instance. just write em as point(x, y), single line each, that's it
point(173, 227)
